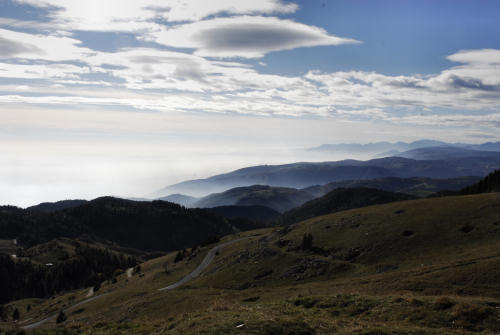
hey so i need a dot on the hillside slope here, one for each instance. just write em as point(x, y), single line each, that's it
point(254, 213)
point(49, 207)
point(427, 267)
point(491, 183)
point(278, 198)
point(156, 225)
point(417, 186)
point(339, 200)
point(180, 199)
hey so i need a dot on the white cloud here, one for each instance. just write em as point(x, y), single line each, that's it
point(44, 71)
point(160, 80)
point(482, 56)
point(472, 86)
point(134, 15)
point(31, 46)
point(245, 36)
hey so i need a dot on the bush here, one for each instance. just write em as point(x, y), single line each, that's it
point(468, 315)
point(61, 317)
point(179, 257)
point(16, 315)
point(307, 242)
point(443, 303)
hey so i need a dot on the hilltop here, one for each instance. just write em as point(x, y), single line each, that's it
point(279, 199)
point(49, 207)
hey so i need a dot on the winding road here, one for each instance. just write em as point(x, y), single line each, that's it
point(52, 317)
point(203, 265)
point(196, 272)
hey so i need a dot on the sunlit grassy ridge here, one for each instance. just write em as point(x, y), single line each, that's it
point(420, 267)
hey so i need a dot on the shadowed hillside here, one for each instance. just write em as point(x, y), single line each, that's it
point(180, 199)
point(156, 225)
point(278, 198)
point(418, 186)
point(341, 199)
point(489, 184)
point(49, 207)
point(254, 213)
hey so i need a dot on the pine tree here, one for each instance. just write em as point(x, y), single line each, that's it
point(178, 257)
point(307, 242)
point(16, 315)
point(61, 317)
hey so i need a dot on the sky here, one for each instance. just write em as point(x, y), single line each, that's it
point(123, 97)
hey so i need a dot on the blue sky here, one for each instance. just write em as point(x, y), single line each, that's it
point(399, 37)
point(126, 96)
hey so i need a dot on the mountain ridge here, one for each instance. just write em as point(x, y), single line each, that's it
point(301, 175)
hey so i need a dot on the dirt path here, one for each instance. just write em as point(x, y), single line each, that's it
point(54, 316)
point(204, 264)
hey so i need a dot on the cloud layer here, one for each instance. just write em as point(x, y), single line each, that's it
point(133, 15)
point(194, 57)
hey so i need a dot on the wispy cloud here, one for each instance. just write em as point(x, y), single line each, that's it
point(194, 83)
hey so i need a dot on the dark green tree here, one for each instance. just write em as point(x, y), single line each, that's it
point(16, 315)
point(179, 257)
point(307, 242)
point(61, 317)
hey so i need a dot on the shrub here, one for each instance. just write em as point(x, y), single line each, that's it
point(443, 303)
point(16, 315)
point(61, 317)
point(179, 257)
point(468, 315)
point(307, 242)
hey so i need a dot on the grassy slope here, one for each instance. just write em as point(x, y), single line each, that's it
point(7, 247)
point(421, 267)
point(339, 200)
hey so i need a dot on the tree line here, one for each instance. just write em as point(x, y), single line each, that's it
point(89, 266)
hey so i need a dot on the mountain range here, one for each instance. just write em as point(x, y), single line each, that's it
point(378, 148)
point(301, 175)
point(361, 256)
